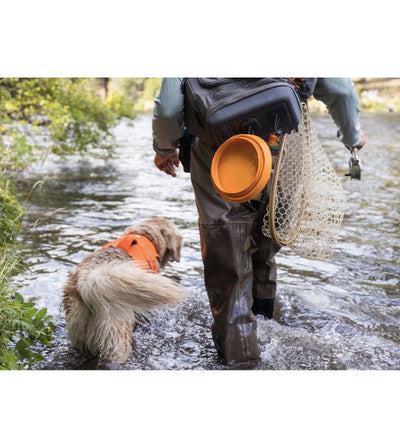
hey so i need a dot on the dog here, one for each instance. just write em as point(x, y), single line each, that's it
point(118, 283)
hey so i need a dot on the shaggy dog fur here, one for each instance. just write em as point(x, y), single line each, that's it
point(105, 293)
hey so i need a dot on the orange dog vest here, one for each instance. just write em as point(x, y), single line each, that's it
point(138, 247)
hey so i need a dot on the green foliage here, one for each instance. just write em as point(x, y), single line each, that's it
point(11, 213)
point(141, 90)
point(121, 104)
point(23, 330)
point(150, 88)
point(39, 116)
point(59, 115)
point(130, 87)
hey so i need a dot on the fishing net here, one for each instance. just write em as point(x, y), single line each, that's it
point(307, 201)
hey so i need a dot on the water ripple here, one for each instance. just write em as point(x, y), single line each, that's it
point(342, 313)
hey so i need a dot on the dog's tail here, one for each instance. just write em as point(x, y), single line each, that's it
point(116, 289)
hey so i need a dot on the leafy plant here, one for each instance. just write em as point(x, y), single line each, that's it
point(24, 329)
point(59, 115)
point(141, 90)
point(10, 214)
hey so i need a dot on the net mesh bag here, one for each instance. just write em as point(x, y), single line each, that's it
point(307, 201)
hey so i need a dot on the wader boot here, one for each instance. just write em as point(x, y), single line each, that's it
point(231, 242)
point(229, 281)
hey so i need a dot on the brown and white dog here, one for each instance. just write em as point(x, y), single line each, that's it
point(117, 283)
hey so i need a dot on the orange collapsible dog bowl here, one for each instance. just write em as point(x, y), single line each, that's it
point(241, 167)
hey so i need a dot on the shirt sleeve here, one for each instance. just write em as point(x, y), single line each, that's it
point(168, 121)
point(341, 99)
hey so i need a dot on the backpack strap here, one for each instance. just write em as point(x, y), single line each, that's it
point(304, 86)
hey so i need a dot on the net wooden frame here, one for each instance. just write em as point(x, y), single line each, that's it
point(306, 198)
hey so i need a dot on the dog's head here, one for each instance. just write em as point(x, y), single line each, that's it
point(163, 234)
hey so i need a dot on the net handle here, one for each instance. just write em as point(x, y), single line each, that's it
point(272, 202)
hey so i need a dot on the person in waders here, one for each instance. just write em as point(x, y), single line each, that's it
point(239, 264)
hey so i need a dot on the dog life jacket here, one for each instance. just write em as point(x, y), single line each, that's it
point(139, 248)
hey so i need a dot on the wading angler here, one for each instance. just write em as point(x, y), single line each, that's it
point(198, 116)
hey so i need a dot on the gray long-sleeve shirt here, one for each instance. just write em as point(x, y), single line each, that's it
point(340, 97)
point(338, 94)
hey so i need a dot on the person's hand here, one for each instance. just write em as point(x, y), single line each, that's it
point(361, 141)
point(167, 163)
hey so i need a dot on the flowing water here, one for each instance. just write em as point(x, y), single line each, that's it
point(343, 313)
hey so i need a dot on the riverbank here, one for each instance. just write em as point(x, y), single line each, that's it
point(40, 116)
point(379, 94)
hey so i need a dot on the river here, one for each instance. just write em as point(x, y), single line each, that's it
point(338, 314)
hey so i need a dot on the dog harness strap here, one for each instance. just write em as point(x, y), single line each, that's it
point(139, 248)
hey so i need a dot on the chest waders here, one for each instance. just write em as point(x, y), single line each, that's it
point(239, 264)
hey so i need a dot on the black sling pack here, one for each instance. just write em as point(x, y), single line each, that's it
point(217, 108)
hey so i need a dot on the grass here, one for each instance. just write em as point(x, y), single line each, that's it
point(24, 329)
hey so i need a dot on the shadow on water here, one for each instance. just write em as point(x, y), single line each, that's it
point(342, 313)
